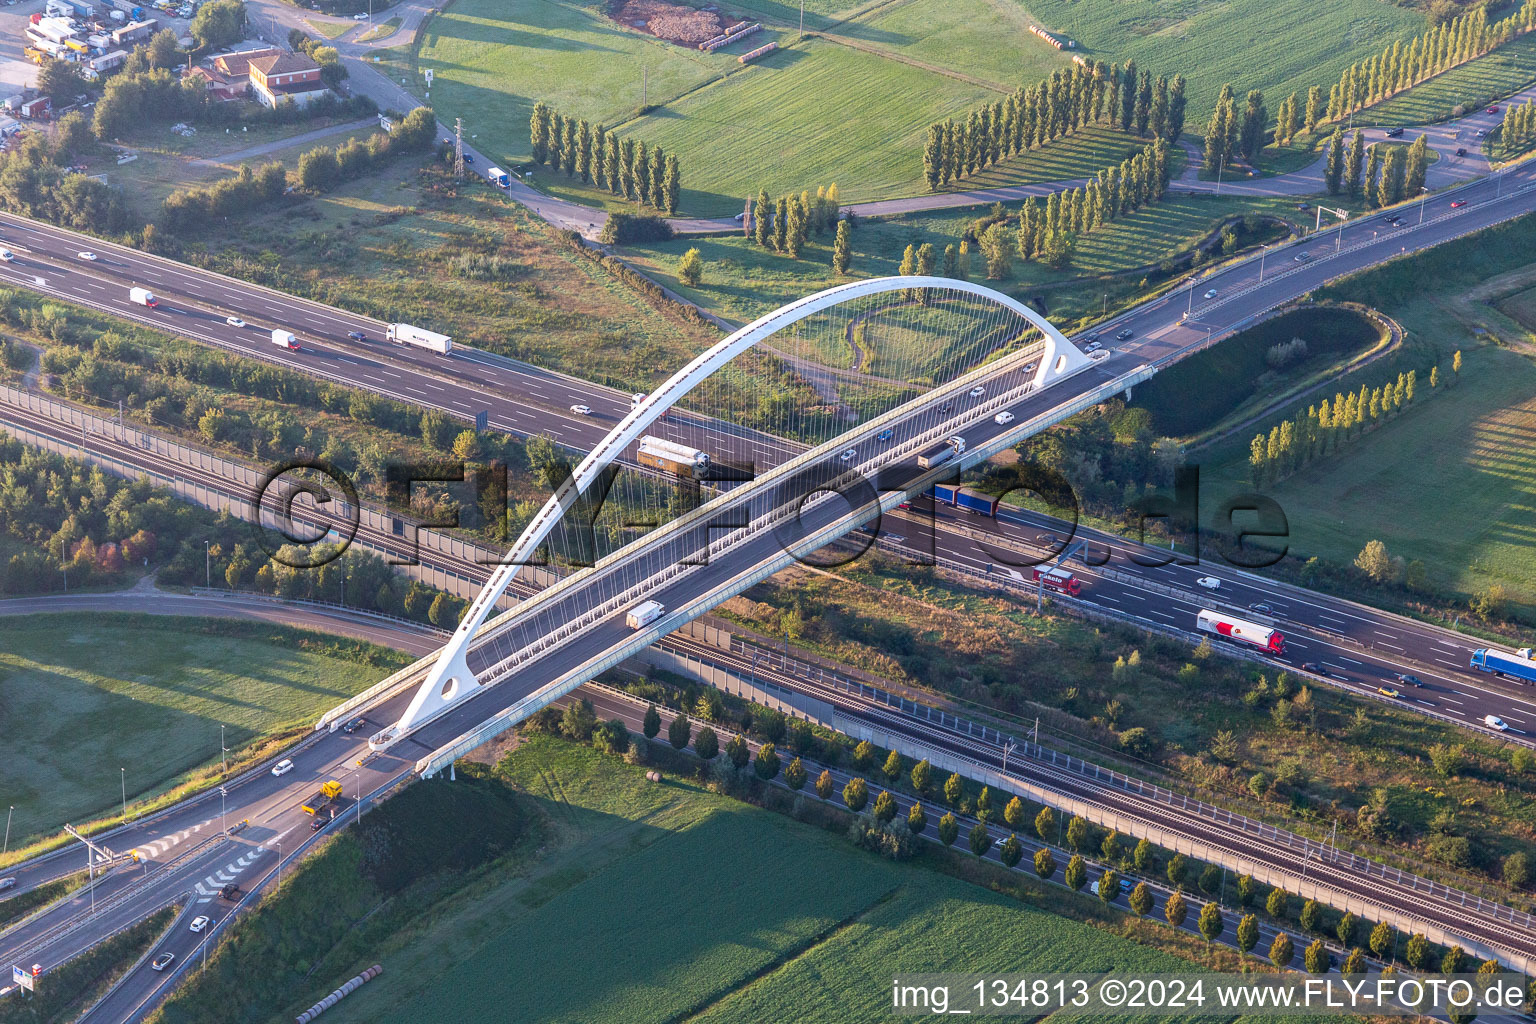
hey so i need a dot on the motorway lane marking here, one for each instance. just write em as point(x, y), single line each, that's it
point(1453, 700)
point(1352, 661)
point(1106, 597)
point(1453, 664)
point(1392, 646)
point(1389, 636)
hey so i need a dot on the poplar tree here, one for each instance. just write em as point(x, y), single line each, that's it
point(842, 250)
point(600, 156)
point(1372, 175)
point(657, 175)
point(1315, 108)
point(762, 219)
point(1418, 163)
point(584, 151)
point(612, 171)
point(627, 169)
point(933, 157)
point(1128, 90)
point(1333, 173)
point(641, 173)
point(1144, 103)
point(1160, 108)
point(672, 184)
point(568, 149)
point(781, 225)
point(1355, 163)
point(1176, 104)
point(538, 132)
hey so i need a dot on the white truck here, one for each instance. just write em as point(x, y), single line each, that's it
point(948, 450)
point(143, 296)
point(285, 339)
point(405, 334)
point(498, 177)
point(643, 614)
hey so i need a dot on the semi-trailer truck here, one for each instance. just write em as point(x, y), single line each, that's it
point(671, 457)
point(942, 454)
point(405, 334)
point(965, 498)
point(1271, 640)
point(285, 339)
point(1520, 665)
point(642, 615)
point(1056, 578)
point(143, 296)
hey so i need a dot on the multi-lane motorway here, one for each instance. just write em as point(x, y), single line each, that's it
point(198, 303)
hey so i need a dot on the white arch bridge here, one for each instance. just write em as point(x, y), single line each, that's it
point(950, 356)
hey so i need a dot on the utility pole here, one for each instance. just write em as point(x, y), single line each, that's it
point(458, 148)
point(802, 20)
point(123, 777)
point(7, 847)
point(223, 753)
point(207, 565)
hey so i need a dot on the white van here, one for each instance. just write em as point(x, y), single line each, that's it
point(1495, 723)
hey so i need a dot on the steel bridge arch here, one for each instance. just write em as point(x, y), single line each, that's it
point(451, 680)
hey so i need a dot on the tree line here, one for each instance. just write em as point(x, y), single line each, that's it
point(1382, 173)
point(195, 207)
point(786, 224)
point(1517, 131)
point(597, 156)
point(1229, 136)
point(1047, 231)
point(1291, 445)
point(1088, 93)
point(1445, 46)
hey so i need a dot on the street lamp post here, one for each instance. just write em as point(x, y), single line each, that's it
point(1423, 198)
point(223, 792)
point(208, 564)
point(7, 847)
point(223, 753)
point(1263, 252)
point(122, 774)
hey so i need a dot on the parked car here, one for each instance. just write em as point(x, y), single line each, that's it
point(581, 410)
point(1208, 582)
point(198, 923)
point(162, 961)
point(282, 767)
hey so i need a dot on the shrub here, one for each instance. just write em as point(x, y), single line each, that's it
point(632, 228)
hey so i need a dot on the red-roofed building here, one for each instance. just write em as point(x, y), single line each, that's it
point(290, 76)
point(217, 84)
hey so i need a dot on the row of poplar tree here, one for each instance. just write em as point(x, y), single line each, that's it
point(1517, 132)
point(1090, 92)
point(1292, 444)
point(597, 156)
point(1382, 173)
point(785, 225)
point(1446, 45)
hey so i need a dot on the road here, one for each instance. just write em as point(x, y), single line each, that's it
point(249, 858)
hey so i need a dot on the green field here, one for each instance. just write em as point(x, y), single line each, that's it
point(783, 124)
point(1521, 307)
point(1451, 483)
point(985, 39)
point(1070, 158)
point(1473, 84)
point(493, 59)
point(742, 280)
point(86, 695)
point(1274, 45)
point(669, 903)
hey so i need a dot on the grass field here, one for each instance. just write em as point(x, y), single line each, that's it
point(1457, 474)
point(985, 39)
point(1467, 87)
point(783, 124)
point(84, 697)
point(742, 280)
point(380, 31)
point(1521, 307)
point(669, 903)
point(493, 59)
point(1076, 156)
point(1274, 45)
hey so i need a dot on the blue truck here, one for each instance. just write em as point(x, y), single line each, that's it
point(965, 498)
point(1520, 664)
